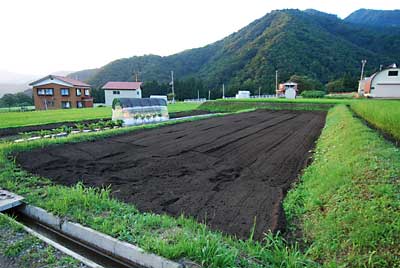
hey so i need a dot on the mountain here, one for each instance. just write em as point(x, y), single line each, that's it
point(310, 43)
point(12, 88)
point(378, 18)
point(83, 75)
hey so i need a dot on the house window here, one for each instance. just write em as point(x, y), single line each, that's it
point(116, 92)
point(78, 92)
point(49, 92)
point(87, 92)
point(65, 104)
point(393, 73)
point(65, 92)
point(137, 93)
point(45, 92)
point(79, 104)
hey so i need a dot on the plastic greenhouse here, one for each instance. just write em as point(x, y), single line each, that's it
point(134, 111)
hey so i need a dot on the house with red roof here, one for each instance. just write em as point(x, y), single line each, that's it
point(114, 90)
point(59, 92)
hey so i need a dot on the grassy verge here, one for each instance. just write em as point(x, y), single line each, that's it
point(298, 100)
point(239, 105)
point(27, 251)
point(348, 200)
point(384, 115)
point(19, 119)
point(174, 238)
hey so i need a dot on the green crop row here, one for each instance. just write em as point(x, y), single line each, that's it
point(384, 115)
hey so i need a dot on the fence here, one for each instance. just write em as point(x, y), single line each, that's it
point(201, 100)
point(256, 97)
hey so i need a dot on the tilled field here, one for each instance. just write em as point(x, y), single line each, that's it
point(231, 171)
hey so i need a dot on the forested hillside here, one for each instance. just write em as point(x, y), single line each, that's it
point(307, 43)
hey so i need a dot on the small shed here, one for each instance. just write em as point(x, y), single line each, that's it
point(135, 111)
point(287, 90)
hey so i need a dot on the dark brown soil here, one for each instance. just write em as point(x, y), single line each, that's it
point(188, 113)
point(231, 171)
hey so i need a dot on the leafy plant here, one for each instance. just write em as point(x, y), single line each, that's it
point(66, 129)
point(119, 123)
point(80, 127)
point(92, 126)
point(110, 123)
point(43, 133)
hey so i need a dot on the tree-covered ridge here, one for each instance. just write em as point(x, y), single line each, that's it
point(379, 18)
point(304, 43)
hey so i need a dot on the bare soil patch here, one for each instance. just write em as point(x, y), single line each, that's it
point(228, 171)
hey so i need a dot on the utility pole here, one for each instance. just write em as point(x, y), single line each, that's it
point(209, 95)
point(363, 62)
point(136, 73)
point(172, 84)
point(198, 95)
point(276, 81)
point(223, 91)
point(259, 92)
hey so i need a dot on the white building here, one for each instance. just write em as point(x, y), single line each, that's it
point(242, 94)
point(383, 84)
point(114, 90)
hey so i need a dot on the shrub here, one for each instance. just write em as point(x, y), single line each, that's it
point(314, 94)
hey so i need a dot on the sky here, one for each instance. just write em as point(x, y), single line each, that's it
point(44, 36)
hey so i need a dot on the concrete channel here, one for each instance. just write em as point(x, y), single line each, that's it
point(90, 247)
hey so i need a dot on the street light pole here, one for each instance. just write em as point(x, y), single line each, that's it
point(172, 84)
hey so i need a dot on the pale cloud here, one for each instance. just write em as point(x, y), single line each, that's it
point(42, 36)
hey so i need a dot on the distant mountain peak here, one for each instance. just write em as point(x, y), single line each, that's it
point(376, 18)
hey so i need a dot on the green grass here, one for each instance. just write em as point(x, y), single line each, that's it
point(348, 200)
point(298, 100)
point(239, 105)
point(19, 119)
point(384, 115)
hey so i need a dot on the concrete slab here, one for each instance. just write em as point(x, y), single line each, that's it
point(9, 200)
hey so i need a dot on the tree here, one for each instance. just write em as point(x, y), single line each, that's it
point(347, 83)
point(21, 99)
point(9, 100)
point(306, 83)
